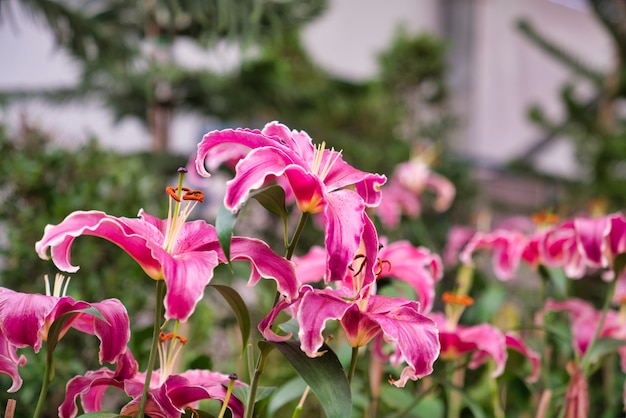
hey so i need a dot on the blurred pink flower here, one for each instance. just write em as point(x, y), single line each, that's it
point(403, 193)
point(482, 341)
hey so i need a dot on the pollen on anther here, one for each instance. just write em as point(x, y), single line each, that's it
point(197, 195)
point(171, 191)
point(452, 299)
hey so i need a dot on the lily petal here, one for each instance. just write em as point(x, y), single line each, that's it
point(60, 238)
point(10, 362)
point(344, 220)
point(414, 336)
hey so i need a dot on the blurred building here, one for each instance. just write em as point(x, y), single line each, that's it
point(495, 73)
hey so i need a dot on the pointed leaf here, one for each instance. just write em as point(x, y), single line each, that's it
point(224, 225)
point(239, 308)
point(604, 346)
point(263, 392)
point(287, 392)
point(272, 198)
point(473, 406)
point(325, 376)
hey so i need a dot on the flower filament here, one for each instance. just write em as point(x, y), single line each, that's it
point(169, 348)
point(455, 305)
point(181, 203)
point(318, 157)
point(59, 289)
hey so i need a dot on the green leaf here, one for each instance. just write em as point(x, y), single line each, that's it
point(103, 415)
point(224, 225)
point(287, 392)
point(477, 411)
point(239, 308)
point(604, 346)
point(325, 376)
point(272, 198)
point(263, 392)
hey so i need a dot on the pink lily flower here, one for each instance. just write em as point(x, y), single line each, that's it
point(577, 245)
point(400, 260)
point(507, 246)
point(317, 178)
point(416, 266)
point(363, 315)
point(482, 341)
point(458, 237)
point(584, 319)
point(25, 320)
point(168, 397)
point(10, 362)
point(403, 193)
point(182, 253)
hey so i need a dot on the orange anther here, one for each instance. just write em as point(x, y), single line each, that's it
point(197, 195)
point(545, 218)
point(172, 192)
point(381, 266)
point(452, 299)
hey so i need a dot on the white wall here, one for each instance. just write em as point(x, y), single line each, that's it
point(509, 73)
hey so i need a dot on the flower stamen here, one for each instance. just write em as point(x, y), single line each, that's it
point(59, 288)
point(545, 218)
point(169, 349)
point(177, 216)
point(381, 266)
point(318, 156)
point(450, 298)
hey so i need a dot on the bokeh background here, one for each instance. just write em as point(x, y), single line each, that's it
point(519, 103)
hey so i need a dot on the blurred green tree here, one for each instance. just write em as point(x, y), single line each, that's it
point(126, 49)
point(596, 123)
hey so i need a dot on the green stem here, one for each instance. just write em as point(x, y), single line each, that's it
point(498, 411)
point(298, 411)
point(158, 316)
point(296, 235)
point(454, 398)
point(416, 400)
point(353, 361)
point(254, 385)
point(586, 360)
point(47, 378)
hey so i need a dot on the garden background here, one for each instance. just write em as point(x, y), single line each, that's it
point(519, 103)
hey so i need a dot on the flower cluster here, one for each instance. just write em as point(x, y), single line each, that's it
point(360, 290)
